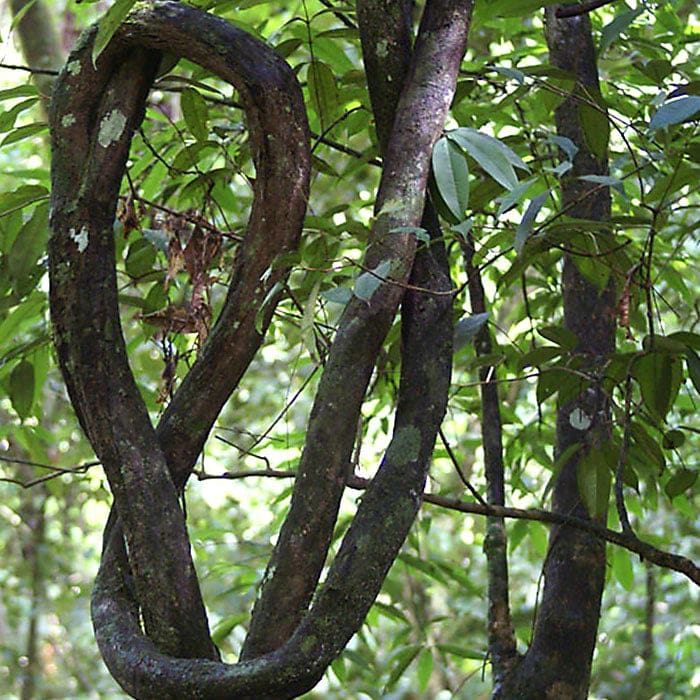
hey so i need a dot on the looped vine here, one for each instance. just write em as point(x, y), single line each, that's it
point(95, 110)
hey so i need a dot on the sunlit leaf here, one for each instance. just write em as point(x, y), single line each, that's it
point(451, 176)
point(675, 112)
point(491, 154)
point(196, 113)
point(109, 24)
point(369, 281)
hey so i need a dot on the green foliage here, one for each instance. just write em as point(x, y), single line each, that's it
point(495, 175)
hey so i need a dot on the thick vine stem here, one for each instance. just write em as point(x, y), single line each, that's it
point(302, 546)
point(95, 110)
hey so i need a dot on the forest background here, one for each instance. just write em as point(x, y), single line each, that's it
point(496, 182)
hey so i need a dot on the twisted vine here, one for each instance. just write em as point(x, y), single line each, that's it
point(95, 110)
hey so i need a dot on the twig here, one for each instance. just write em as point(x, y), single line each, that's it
point(458, 469)
point(29, 69)
point(631, 542)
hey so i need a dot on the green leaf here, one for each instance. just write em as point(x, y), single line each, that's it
point(109, 24)
point(26, 250)
point(560, 335)
point(622, 567)
point(690, 340)
point(196, 113)
point(613, 30)
point(24, 132)
point(693, 363)
point(673, 439)
point(538, 356)
point(461, 652)
point(525, 226)
point(468, 328)
point(654, 373)
point(224, 627)
point(681, 481)
point(425, 669)
point(491, 154)
point(451, 174)
point(323, 90)
point(21, 197)
point(400, 662)
point(369, 281)
point(674, 112)
point(18, 91)
point(140, 258)
point(22, 388)
point(594, 479)
point(594, 122)
point(337, 295)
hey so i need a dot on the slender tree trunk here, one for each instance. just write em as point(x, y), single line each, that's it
point(558, 662)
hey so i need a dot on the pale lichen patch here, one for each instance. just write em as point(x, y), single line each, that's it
point(111, 128)
point(67, 120)
point(80, 237)
point(73, 67)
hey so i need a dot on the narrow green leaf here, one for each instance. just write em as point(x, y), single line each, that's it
point(19, 91)
point(109, 24)
point(491, 154)
point(22, 388)
point(451, 174)
point(594, 479)
point(594, 122)
point(675, 111)
point(21, 197)
point(525, 226)
point(681, 481)
point(27, 249)
point(462, 652)
point(653, 372)
point(622, 567)
point(560, 335)
point(24, 132)
point(196, 113)
point(369, 281)
point(468, 328)
point(425, 669)
point(693, 363)
point(400, 663)
point(323, 90)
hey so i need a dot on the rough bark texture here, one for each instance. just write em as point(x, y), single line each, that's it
point(94, 113)
point(558, 662)
point(301, 549)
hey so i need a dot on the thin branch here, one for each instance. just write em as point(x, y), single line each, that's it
point(54, 471)
point(29, 69)
point(582, 9)
point(619, 472)
point(458, 469)
point(629, 541)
